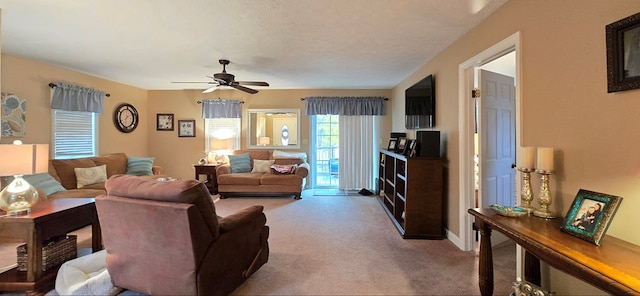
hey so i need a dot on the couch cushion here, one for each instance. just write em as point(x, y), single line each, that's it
point(116, 163)
point(282, 154)
point(140, 166)
point(279, 179)
point(93, 175)
point(65, 169)
point(83, 192)
point(255, 154)
point(240, 179)
point(240, 163)
point(261, 166)
point(179, 191)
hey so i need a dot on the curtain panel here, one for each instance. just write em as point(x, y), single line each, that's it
point(221, 108)
point(72, 97)
point(349, 106)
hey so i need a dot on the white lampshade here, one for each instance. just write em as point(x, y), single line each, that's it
point(18, 160)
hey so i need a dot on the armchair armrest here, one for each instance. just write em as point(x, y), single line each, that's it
point(302, 170)
point(223, 169)
point(239, 218)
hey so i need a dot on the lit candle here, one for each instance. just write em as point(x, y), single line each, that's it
point(545, 159)
point(527, 157)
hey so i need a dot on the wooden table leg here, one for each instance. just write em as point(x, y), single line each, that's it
point(485, 269)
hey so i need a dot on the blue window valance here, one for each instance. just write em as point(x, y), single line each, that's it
point(350, 106)
point(72, 97)
point(221, 108)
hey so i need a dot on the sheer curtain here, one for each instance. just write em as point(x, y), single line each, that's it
point(359, 121)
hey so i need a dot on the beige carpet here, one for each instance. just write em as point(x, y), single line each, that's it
point(346, 245)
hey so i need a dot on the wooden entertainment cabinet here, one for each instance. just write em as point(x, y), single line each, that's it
point(412, 195)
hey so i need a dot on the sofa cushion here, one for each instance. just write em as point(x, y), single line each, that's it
point(116, 163)
point(65, 170)
point(179, 191)
point(140, 166)
point(279, 179)
point(261, 166)
point(240, 163)
point(282, 154)
point(43, 181)
point(93, 175)
point(240, 179)
point(255, 154)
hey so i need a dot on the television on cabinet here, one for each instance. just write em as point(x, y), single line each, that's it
point(420, 104)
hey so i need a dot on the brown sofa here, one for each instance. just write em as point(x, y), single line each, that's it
point(262, 183)
point(63, 171)
point(164, 238)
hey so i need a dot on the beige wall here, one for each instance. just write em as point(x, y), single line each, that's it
point(565, 104)
point(177, 155)
point(29, 80)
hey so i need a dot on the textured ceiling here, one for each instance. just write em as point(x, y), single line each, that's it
point(337, 44)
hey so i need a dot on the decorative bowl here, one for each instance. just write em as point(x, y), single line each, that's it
point(509, 211)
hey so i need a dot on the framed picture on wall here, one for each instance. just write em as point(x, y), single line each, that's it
point(164, 122)
point(623, 54)
point(186, 128)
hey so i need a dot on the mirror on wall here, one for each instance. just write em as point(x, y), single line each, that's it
point(273, 129)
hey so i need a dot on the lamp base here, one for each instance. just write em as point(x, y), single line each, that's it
point(18, 197)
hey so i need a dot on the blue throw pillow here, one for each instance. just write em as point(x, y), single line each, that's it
point(44, 181)
point(240, 163)
point(140, 166)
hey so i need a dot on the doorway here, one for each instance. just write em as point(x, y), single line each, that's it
point(468, 127)
point(325, 163)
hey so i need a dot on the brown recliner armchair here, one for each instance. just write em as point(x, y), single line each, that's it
point(164, 238)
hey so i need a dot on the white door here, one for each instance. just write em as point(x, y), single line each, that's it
point(497, 139)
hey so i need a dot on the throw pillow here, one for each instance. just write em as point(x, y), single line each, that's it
point(240, 163)
point(140, 166)
point(261, 166)
point(284, 168)
point(282, 154)
point(88, 176)
point(44, 181)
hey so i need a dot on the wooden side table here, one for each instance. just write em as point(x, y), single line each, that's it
point(47, 219)
point(210, 171)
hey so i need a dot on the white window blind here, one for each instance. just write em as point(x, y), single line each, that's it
point(74, 134)
point(223, 128)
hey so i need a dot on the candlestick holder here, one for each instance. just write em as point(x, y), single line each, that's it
point(544, 197)
point(526, 195)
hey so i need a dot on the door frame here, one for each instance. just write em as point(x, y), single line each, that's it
point(466, 118)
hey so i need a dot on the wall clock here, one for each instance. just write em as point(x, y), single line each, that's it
point(125, 117)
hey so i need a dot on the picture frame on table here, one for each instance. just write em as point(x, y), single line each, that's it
point(623, 54)
point(590, 215)
point(411, 148)
point(164, 122)
point(186, 128)
point(392, 144)
point(402, 145)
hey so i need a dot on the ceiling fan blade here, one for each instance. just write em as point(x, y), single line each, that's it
point(242, 88)
point(209, 82)
point(256, 83)
point(211, 89)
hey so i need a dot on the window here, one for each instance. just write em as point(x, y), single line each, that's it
point(74, 134)
point(222, 129)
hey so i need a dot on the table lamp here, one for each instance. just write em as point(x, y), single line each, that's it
point(17, 160)
point(219, 147)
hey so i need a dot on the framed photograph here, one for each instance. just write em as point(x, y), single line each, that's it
point(411, 148)
point(392, 144)
point(402, 145)
point(164, 122)
point(590, 215)
point(623, 54)
point(186, 128)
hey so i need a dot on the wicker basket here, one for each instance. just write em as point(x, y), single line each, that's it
point(54, 252)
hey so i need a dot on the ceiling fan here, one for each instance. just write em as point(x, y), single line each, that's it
point(228, 79)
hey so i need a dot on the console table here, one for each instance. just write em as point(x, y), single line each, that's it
point(210, 172)
point(47, 219)
point(614, 266)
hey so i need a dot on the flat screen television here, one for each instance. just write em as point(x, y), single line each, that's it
point(420, 104)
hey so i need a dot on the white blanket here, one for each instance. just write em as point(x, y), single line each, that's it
point(86, 275)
